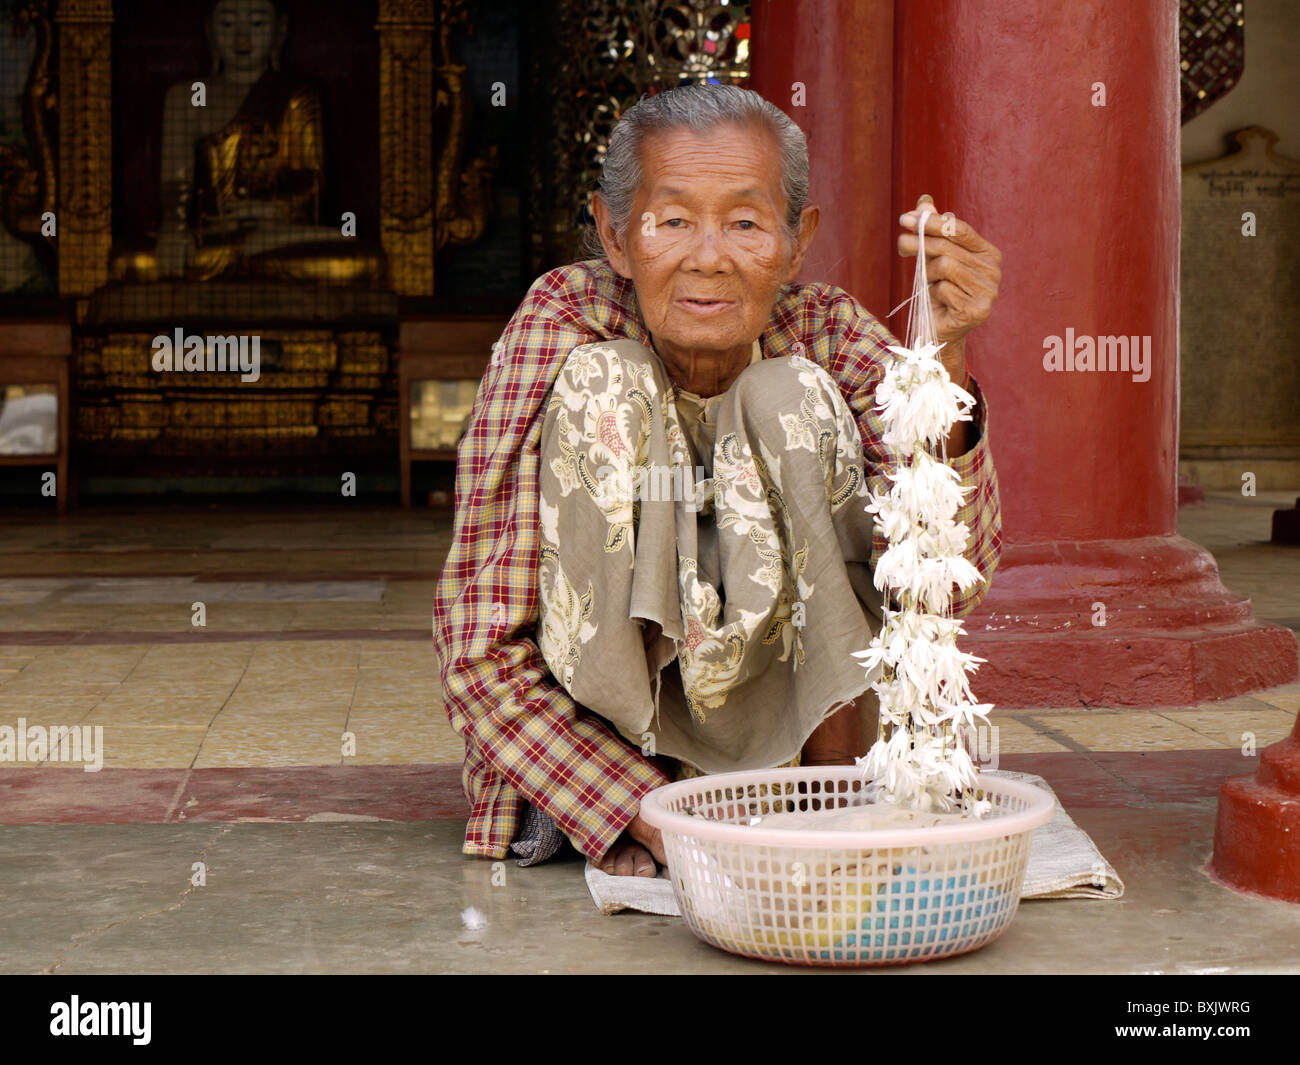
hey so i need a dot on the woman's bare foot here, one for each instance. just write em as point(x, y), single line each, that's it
point(635, 852)
point(628, 858)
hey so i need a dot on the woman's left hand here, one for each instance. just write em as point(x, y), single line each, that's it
point(963, 269)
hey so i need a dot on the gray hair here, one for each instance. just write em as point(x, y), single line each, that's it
point(700, 108)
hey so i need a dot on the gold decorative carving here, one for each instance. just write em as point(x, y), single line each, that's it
point(406, 14)
point(417, 75)
point(84, 11)
point(464, 189)
point(328, 384)
point(85, 144)
point(406, 143)
point(601, 56)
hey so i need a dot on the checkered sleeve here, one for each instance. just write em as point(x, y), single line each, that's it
point(837, 332)
point(982, 511)
point(525, 737)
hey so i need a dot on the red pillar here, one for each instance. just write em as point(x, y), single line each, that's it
point(998, 113)
point(841, 53)
point(999, 116)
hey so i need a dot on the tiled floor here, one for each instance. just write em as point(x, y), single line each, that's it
point(311, 693)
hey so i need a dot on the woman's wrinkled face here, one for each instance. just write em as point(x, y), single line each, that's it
point(706, 246)
point(244, 33)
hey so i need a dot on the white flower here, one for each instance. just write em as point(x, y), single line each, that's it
point(872, 660)
point(913, 664)
point(892, 520)
point(944, 538)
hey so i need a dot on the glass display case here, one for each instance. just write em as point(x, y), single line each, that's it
point(29, 420)
point(440, 412)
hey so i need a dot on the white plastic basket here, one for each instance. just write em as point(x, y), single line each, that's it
point(876, 897)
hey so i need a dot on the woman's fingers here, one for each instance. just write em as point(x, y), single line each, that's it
point(948, 226)
point(944, 261)
point(935, 245)
point(958, 312)
point(971, 278)
point(964, 270)
point(948, 235)
point(988, 263)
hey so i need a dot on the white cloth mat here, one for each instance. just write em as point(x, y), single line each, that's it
point(1064, 863)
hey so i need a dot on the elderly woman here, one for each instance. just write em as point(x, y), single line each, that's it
point(661, 559)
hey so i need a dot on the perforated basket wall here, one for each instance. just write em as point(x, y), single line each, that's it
point(839, 898)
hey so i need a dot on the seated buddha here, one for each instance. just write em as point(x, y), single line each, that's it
point(241, 174)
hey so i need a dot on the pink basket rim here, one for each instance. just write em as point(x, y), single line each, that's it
point(654, 810)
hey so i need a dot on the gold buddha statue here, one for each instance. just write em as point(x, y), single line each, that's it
point(241, 174)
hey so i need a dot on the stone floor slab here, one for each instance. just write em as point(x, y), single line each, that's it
point(388, 898)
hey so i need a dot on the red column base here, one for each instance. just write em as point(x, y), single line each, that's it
point(1142, 622)
point(1257, 834)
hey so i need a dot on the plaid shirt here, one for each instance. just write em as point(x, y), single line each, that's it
point(525, 737)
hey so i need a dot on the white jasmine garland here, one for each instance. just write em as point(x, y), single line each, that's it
point(913, 664)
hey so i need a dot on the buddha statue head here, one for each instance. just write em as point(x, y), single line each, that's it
point(246, 37)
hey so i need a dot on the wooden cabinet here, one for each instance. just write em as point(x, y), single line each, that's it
point(35, 356)
point(440, 364)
